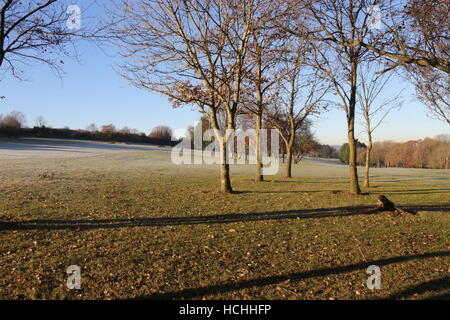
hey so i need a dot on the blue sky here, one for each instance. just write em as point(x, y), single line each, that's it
point(92, 92)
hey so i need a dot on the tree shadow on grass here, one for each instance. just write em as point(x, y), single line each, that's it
point(429, 286)
point(413, 191)
point(444, 296)
point(191, 293)
point(289, 191)
point(319, 213)
point(175, 221)
point(293, 181)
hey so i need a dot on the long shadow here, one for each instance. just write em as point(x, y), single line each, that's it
point(438, 208)
point(288, 191)
point(430, 286)
point(320, 213)
point(413, 191)
point(410, 193)
point(265, 281)
point(308, 182)
point(444, 296)
point(174, 221)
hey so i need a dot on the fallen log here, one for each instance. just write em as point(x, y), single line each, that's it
point(384, 204)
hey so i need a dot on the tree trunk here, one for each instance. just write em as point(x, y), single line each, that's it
point(225, 181)
point(291, 139)
point(289, 145)
point(288, 168)
point(366, 180)
point(354, 184)
point(446, 162)
point(258, 173)
point(353, 170)
point(368, 152)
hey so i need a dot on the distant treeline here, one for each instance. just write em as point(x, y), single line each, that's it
point(12, 126)
point(425, 153)
point(65, 133)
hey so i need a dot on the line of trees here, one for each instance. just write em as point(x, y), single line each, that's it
point(263, 57)
point(225, 57)
point(304, 143)
point(13, 125)
point(228, 57)
point(425, 153)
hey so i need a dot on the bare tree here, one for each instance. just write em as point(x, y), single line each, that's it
point(134, 131)
point(306, 143)
point(161, 132)
point(442, 155)
point(108, 129)
point(40, 122)
point(414, 35)
point(194, 52)
point(427, 34)
point(413, 32)
point(300, 95)
point(13, 120)
point(374, 110)
point(12, 123)
point(37, 31)
point(432, 89)
point(265, 43)
point(334, 25)
point(92, 127)
point(125, 130)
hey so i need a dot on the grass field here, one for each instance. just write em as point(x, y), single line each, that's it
point(140, 227)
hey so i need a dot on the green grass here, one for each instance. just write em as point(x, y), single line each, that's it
point(140, 227)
